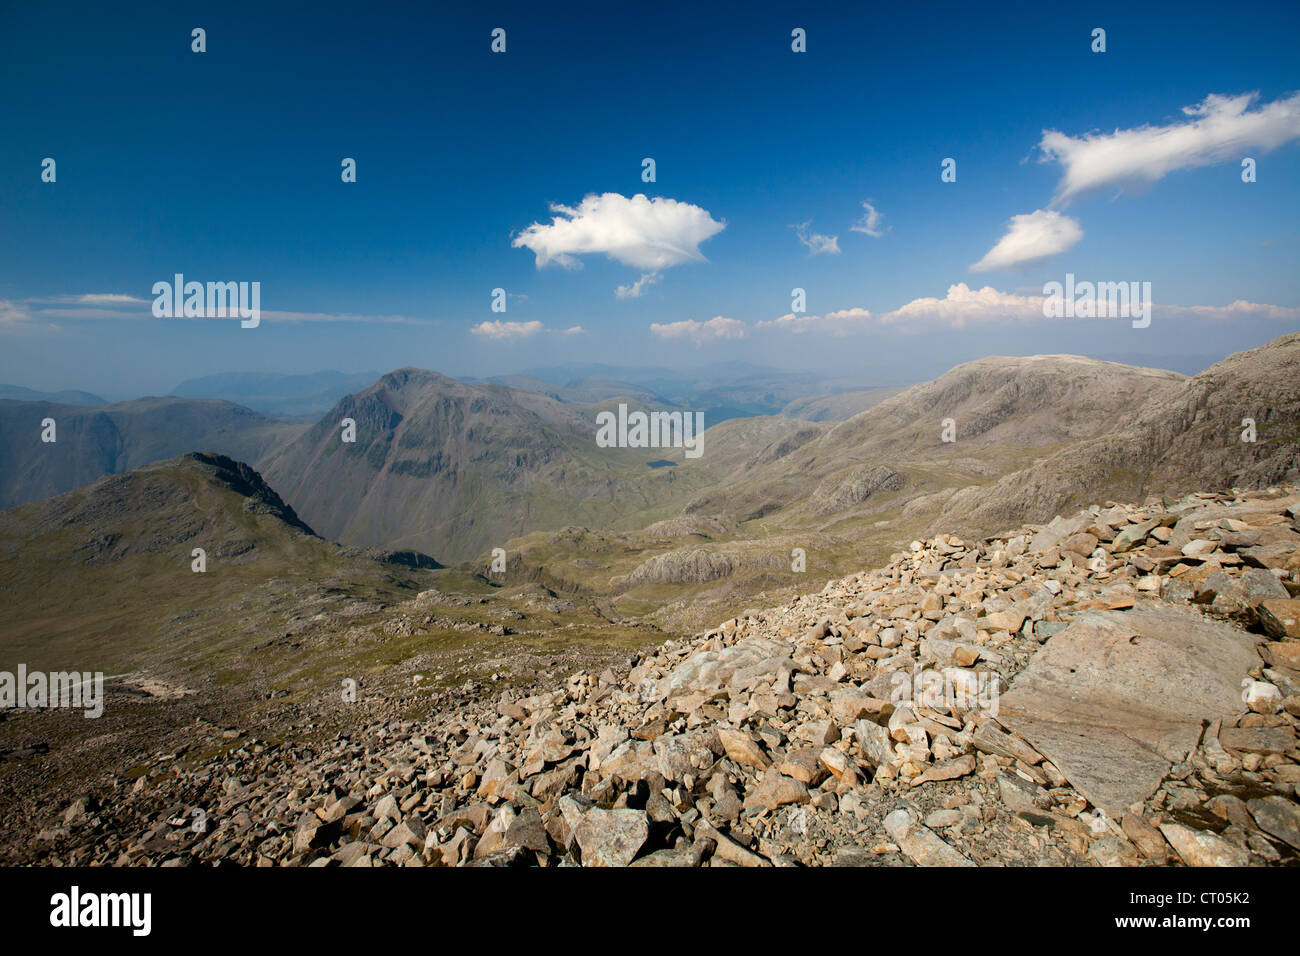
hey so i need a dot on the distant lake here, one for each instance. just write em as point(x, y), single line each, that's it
point(662, 463)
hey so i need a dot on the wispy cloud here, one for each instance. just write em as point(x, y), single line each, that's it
point(843, 322)
point(506, 331)
point(1219, 129)
point(89, 305)
point(13, 313)
point(647, 234)
point(715, 329)
point(817, 244)
point(964, 307)
point(106, 306)
point(499, 331)
point(93, 298)
point(1240, 309)
point(637, 288)
point(16, 317)
point(1029, 238)
point(870, 221)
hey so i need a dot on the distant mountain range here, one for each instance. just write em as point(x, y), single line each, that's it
point(721, 391)
point(1033, 437)
point(453, 469)
point(92, 441)
point(71, 397)
point(290, 398)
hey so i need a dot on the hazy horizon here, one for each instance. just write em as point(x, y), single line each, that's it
point(843, 378)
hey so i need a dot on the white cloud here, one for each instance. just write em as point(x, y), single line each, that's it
point(506, 331)
point(1219, 129)
point(715, 329)
point(648, 234)
point(109, 298)
point(963, 307)
point(105, 305)
point(870, 221)
point(817, 243)
point(1240, 309)
point(843, 322)
point(93, 305)
point(500, 331)
point(637, 288)
point(92, 298)
point(1030, 237)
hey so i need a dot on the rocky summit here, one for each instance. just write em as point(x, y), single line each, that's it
point(1118, 687)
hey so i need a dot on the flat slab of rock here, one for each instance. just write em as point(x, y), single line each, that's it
point(611, 837)
point(1203, 848)
point(919, 843)
point(753, 659)
point(1056, 531)
point(1280, 618)
point(1117, 697)
point(1278, 816)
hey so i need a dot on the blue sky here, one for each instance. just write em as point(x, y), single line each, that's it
point(225, 165)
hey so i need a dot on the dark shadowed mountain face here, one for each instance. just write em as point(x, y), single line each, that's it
point(92, 442)
point(450, 468)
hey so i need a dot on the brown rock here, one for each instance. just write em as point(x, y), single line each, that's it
point(948, 770)
point(804, 764)
point(1145, 837)
point(775, 789)
point(741, 748)
point(1280, 618)
point(1283, 654)
point(1258, 740)
point(1203, 848)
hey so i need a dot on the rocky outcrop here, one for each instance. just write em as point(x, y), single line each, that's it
point(854, 488)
